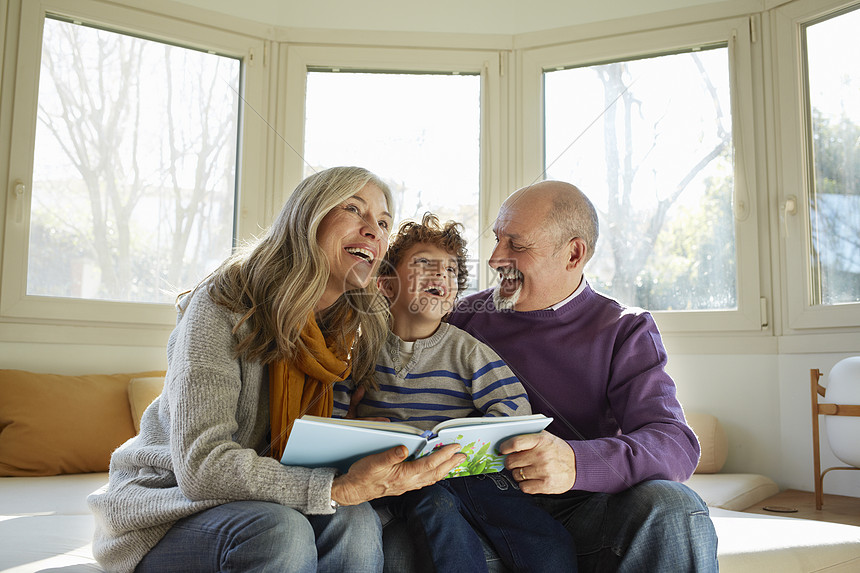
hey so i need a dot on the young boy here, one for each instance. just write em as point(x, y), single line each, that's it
point(430, 371)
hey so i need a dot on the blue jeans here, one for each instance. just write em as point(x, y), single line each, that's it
point(445, 519)
point(655, 526)
point(257, 536)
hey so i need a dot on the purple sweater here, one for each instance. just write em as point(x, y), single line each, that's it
point(597, 367)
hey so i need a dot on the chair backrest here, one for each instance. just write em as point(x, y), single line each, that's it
point(842, 404)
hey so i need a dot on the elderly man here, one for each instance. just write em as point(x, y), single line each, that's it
point(609, 465)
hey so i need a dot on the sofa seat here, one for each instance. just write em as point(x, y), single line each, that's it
point(732, 491)
point(752, 543)
point(45, 525)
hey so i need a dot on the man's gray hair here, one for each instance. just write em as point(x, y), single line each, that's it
point(573, 215)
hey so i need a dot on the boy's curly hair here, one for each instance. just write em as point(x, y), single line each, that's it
point(429, 231)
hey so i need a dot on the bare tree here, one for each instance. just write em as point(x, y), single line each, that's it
point(632, 231)
point(202, 146)
point(93, 123)
point(103, 97)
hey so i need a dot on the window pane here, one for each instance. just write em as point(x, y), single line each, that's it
point(419, 132)
point(135, 166)
point(833, 58)
point(650, 142)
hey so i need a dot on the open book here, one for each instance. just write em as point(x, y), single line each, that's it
point(334, 442)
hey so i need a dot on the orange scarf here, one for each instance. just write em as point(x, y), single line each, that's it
point(305, 385)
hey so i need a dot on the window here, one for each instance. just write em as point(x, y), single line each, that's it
point(134, 176)
point(416, 118)
point(421, 133)
point(657, 129)
point(819, 195)
point(655, 157)
point(128, 184)
point(833, 82)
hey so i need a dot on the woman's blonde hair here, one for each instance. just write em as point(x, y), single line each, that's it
point(276, 282)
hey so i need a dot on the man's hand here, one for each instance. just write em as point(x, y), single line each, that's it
point(541, 463)
point(385, 474)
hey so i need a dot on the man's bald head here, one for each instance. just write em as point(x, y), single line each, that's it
point(567, 212)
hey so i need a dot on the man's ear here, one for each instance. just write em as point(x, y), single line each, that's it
point(577, 250)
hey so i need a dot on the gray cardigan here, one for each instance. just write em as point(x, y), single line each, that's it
point(199, 446)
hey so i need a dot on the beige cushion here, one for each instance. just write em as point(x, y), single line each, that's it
point(141, 393)
point(52, 424)
point(712, 439)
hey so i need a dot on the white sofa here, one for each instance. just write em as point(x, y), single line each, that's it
point(45, 524)
point(752, 543)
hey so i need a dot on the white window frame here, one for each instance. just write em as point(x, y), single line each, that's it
point(487, 63)
point(15, 305)
point(4, 9)
point(794, 176)
point(734, 32)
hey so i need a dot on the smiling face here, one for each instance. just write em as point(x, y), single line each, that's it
point(537, 268)
point(422, 290)
point(354, 236)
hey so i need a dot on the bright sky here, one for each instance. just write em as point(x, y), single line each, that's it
point(420, 132)
point(420, 129)
point(834, 65)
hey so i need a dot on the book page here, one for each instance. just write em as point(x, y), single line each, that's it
point(318, 442)
point(480, 442)
point(372, 424)
point(476, 421)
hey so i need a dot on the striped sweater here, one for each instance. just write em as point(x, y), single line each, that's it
point(451, 374)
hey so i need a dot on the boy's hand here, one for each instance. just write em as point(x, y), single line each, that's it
point(356, 397)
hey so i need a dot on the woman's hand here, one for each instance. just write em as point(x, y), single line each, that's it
point(385, 474)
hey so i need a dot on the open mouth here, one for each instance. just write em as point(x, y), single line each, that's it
point(509, 281)
point(436, 290)
point(510, 274)
point(360, 253)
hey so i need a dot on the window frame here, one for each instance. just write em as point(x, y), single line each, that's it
point(15, 304)
point(488, 63)
point(4, 10)
point(795, 176)
point(735, 33)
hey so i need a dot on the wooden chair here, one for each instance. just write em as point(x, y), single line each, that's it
point(826, 410)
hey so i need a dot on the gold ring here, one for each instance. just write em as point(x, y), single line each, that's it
point(522, 475)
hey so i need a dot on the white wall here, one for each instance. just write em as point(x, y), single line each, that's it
point(446, 16)
point(740, 391)
point(74, 359)
point(763, 401)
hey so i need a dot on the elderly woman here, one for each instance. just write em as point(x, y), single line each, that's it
point(257, 345)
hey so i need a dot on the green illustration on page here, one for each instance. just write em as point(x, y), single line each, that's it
point(480, 459)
